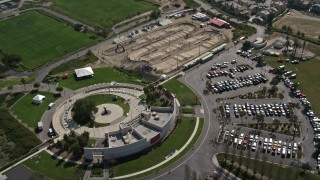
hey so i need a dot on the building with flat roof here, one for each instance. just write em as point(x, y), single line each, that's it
point(219, 23)
point(142, 132)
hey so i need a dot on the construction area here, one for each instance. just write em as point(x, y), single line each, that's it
point(163, 49)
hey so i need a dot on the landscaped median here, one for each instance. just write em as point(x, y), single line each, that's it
point(254, 168)
point(176, 142)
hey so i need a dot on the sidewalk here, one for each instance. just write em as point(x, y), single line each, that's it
point(168, 159)
point(216, 163)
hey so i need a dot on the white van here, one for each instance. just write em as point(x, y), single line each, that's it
point(51, 105)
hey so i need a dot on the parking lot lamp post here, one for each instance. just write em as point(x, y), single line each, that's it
point(221, 174)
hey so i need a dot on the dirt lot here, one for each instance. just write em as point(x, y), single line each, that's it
point(298, 22)
point(165, 48)
point(310, 49)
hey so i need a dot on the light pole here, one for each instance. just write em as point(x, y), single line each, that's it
point(216, 172)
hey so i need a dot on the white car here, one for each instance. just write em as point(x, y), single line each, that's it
point(254, 146)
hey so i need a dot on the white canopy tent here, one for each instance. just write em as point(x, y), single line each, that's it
point(84, 72)
point(38, 99)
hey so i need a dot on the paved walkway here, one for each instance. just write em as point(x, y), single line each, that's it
point(63, 123)
point(168, 159)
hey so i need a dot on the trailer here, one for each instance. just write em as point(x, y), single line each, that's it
point(218, 49)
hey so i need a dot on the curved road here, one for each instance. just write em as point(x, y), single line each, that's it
point(200, 159)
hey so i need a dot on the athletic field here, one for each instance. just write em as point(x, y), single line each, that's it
point(102, 13)
point(39, 39)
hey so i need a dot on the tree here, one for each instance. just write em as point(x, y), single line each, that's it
point(273, 89)
point(4, 69)
point(284, 28)
point(303, 48)
point(155, 14)
point(298, 33)
point(36, 85)
point(77, 27)
point(287, 43)
point(246, 45)
point(302, 35)
point(11, 60)
point(60, 89)
point(82, 110)
point(260, 119)
point(76, 150)
point(295, 45)
point(23, 81)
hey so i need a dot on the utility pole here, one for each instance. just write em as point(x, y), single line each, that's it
point(177, 60)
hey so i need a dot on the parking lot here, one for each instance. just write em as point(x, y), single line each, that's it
point(274, 108)
point(250, 109)
point(254, 142)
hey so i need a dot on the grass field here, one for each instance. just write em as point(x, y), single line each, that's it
point(39, 39)
point(29, 113)
point(308, 76)
point(16, 139)
point(305, 24)
point(102, 13)
point(157, 155)
point(107, 98)
point(182, 92)
point(15, 81)
point(74, 64)
point(192, 4)
point(272, 170)
point(101, 75)
point(52, 168)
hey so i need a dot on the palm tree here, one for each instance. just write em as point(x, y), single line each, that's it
point(287, 43)
point(23, 81)
point(296, 45)
point(303, 47)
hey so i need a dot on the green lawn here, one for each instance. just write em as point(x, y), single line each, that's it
point(107, 98)
point(101, 75)
point(39, 39)
point(307, 75)
point(272, 170)
point(182, 92)
point(173, 160)
point(191, 4)
point(187, 110)
point(29, 113)
point(16, 139)
point(52, 168)
point(15, 81)
point(74, 64)
point(157, 155)
point(102, 13)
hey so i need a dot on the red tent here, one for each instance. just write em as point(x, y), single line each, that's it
point(65, 75)
point(280, 59)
